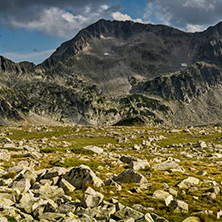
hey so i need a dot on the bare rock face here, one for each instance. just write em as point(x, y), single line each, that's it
point(82, 176)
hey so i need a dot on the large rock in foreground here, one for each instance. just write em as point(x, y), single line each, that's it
point(82, 176)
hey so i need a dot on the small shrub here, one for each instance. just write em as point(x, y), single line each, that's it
point(8, 175)
point(48, 150)
point(82, 151)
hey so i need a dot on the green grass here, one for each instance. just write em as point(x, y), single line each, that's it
point(10, 219)
point(76, 162)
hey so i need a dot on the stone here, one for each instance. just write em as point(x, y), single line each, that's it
point(82, 176)
point(215, 190)
point(146, 218)
point(202, 173)
point(53, 172)
point(179, 206)
point(127, 159)
point(219, 214)
point(126, 213)
point(3, 219)
point(201, 144)
point(19, 166)
point(163, 196)
point(94, 149)
point(130, 176)
point(168, 165)
point(9, 145)
point(158, 218)
point(4, 156)
point(113, 183)
point(91, 198)
point(186, 183)
point(49, 192)
point(136, 147)
point(173, 192)
point(26, 202)
point(6, 199)
point(22, 185)
point(192, 219)
point(66, 186)
point(35, 155)
point(5, 140)
point(67, 207)
point(139, 165)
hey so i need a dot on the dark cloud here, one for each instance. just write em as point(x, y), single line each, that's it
point(54, 17)
point(185, 13)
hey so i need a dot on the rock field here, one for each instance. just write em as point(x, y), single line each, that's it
point(141, 174)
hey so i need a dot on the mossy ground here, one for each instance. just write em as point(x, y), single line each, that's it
point(62, 146)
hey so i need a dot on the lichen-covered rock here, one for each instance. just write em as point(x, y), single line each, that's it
point(82, 176)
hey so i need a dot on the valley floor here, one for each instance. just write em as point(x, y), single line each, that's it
point(137, 173)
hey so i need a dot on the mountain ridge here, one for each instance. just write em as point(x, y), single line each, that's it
point(115, 72)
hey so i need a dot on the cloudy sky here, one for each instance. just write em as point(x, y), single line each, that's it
point(32, 29)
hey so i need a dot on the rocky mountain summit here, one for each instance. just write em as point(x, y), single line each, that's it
point(119, 73)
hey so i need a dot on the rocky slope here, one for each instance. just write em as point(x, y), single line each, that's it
point(77, 174)
point(119, 73)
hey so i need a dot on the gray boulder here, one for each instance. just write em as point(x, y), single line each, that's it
point(130, 176)
point(81, 176)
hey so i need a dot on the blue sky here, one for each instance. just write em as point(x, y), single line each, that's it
point(30, 30)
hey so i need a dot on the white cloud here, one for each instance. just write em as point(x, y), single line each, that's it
point(192, 15)
point(194, 28)
point(36, 57)
point(202, 4)
point(55, 21)
point(124, 17)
